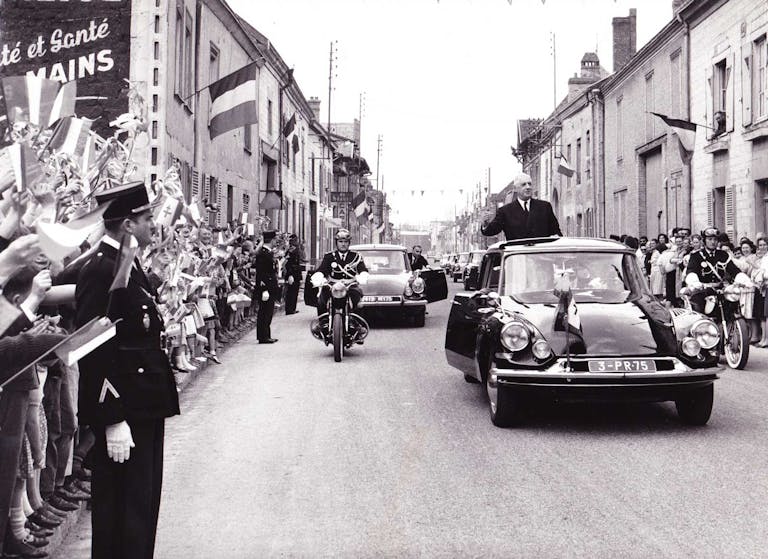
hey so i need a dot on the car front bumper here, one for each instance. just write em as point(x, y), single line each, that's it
point(404, 303)
point(569, 385)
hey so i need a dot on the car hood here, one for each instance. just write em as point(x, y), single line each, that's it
point(386, 284)
point(641, 327)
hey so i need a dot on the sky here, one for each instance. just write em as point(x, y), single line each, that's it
point(444, 81)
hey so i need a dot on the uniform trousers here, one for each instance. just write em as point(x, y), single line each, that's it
point(126, 497)
point(60, 414)
point(292, 293)
point(264, 318)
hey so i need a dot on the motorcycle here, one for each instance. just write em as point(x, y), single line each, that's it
point(721, 304)
point(339, 325)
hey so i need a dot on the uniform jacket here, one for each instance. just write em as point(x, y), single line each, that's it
point(266, 271)
point(293, 263)
point(128, 377)
point(418, 262)
point(347, 267)
point(712, 267)
point(510, 218)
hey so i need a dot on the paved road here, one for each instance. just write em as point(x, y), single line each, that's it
point(281, 452)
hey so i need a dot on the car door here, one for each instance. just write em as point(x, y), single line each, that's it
point(465, 317)
point(435, 285)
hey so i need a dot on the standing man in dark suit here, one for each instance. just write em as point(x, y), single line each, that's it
point(523, 217)
point(292, 274)
point(127, 388)
point(418, 262)
point(267, 288)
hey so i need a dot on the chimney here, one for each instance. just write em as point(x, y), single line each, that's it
point(314, 104)
point(624, 39)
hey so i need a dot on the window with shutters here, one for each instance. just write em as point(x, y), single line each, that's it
point(720, 78)
point(570, 162)
point(650, 120)
point(588, 160)
point(195, 184)
point(578, 161)
point(619, 211)
point(675, 89)
point(760, 78)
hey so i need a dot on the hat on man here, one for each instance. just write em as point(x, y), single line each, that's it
point(126, 200)
point(269, 235)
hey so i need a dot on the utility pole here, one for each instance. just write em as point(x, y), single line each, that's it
point(378, 159)
point(554, 71)
point(332, 57)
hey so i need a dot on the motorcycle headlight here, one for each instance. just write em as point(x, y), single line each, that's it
point(541, 349)
point(339, 290)
point(706, 333)
point(515, 336)
point(691, 347)
point(418, 285)
point(732, 293)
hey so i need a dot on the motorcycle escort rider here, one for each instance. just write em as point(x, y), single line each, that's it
point(340, 264)
point(710, 265)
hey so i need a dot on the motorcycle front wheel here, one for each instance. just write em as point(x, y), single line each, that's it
point(338, 337)
point(737, 344)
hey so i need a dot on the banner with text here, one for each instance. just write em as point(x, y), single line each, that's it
point(87, 41)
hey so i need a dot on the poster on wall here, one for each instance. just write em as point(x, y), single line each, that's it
point(87, 41)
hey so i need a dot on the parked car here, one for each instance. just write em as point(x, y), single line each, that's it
point(447, 263)
point(458, 266)
point(472, 269)
point(617, 342)
point(393, 288)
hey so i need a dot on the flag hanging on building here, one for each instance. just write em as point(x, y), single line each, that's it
point(360, 204)
point(71, 136)
point(563, 168)
point(685, 132)
point(289, 126)
point(233, 101)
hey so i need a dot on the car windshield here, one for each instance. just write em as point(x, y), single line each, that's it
point(463, 258)
point(595, 277)
point(477, 257)
point(384, 261)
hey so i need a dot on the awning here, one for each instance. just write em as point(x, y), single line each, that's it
point(333, 222)
point(270, 151)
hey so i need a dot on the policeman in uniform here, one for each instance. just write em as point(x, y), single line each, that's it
point(268, 289)
point(127, 388)
point(292, 274)
point(709, 265)
point(341, 264)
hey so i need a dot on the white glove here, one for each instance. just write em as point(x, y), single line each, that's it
point(265, 296)
point(362, 278)
point(290, 280)
point(692, 280)
point(743, 280)
point(119, 441)
point(317, 279)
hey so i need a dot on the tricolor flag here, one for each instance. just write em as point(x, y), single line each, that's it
point(233, 101)
point(26, 168)
point(38, 101)
point(563, 168)
point(71, 135)
point(360, 204)
point(129, 247)
point(168, 212)
point(85, 340)
point(567, 314)
point(686, 135)
point(289, 126)
point(381, 227)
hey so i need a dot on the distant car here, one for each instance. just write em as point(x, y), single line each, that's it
point(616, 343)
point(472, 270)
point(458, 266)
point(393, 288)
point(447, 264)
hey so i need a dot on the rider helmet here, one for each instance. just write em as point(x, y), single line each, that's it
point(343, 235)
point(710, 232)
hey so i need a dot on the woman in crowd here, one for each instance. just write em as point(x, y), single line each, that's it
point(749, 263)
point(658, 272)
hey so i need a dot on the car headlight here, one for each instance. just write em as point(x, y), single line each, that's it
point(541, 349)
point(732, 293)
point(515, 336)
point(706, 333)
point(408, 291)
point(418, 285)
point(339, 290)
point(691, 347)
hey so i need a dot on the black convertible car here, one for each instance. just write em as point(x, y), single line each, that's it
point(602, 337)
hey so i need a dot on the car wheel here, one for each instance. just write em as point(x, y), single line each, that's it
point(503, 403)
point(695, 407)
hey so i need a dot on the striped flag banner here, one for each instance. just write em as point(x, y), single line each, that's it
point(360, 204)
point(38, 101)
point(233, 101)
point(71, 136)
point(26, 168)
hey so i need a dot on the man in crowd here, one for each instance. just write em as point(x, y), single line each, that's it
point(127, 388)
point(267, 288)
point(418, 262)
point(523, 217)
point(292, 274)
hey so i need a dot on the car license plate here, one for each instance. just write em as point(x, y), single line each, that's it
point(622, 366)
point(377, 298)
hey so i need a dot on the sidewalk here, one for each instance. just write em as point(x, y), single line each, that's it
point(183, 380)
